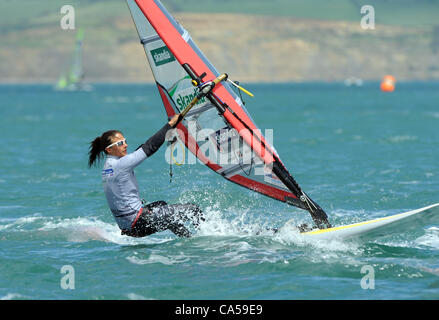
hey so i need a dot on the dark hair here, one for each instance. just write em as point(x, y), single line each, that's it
point(98, 145)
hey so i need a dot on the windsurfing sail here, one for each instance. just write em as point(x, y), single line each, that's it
point(218, 130)
point(73, 79)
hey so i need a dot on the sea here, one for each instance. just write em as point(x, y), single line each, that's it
point(358, 152)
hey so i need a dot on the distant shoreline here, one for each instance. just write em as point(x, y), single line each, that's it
point(341, 82)
point(271, 50)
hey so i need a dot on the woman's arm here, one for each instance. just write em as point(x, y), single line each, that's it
point(149, 147)
point(156, 141)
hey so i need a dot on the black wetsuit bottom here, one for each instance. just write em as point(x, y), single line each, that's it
point(159, 216)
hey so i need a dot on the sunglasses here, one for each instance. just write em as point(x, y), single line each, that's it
point(118, 143)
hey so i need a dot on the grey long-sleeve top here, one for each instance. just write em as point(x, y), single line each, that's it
point(120, 183)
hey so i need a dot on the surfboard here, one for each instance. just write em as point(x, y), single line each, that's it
point(414, 220)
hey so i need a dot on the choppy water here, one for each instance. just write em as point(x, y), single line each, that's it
point(359, 153)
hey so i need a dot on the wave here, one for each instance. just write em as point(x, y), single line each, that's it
point(430, 239)
point(71, 229)
point(136, 296)
point(13, 296)
point(404, 138)
point(157, 258)
point(434, 114)
point(250, 234)
point(89, 229)
point(254, 240)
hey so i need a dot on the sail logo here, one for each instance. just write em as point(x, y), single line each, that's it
point(107, 173)
point(185, 97)
point(270, 177)
point(162, 56)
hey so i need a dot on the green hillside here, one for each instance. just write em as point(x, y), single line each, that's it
point(28, 13)
point(397, 12)
point(313, 39)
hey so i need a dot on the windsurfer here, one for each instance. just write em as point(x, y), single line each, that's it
point(133, 216)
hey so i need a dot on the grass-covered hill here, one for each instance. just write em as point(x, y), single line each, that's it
point(277, 40)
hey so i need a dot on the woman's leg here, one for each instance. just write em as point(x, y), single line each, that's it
point(161, 217)
point(168, 217)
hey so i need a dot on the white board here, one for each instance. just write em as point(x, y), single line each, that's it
point(398, 223)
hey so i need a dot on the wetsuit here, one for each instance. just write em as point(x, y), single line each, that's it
point(122, 193)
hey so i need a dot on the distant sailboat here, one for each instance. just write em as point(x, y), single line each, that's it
point(73, 80)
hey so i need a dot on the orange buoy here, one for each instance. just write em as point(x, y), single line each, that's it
point(388, 83)
point(387, 86)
